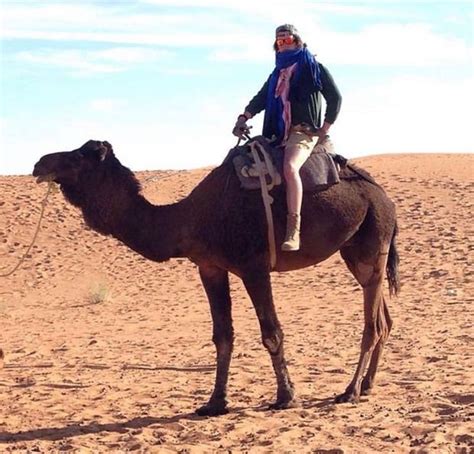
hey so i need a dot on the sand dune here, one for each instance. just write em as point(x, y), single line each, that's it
point(106, 351)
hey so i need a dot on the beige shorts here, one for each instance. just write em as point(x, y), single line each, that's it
point(303, 140)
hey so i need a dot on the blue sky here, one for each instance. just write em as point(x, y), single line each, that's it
point(164, 81)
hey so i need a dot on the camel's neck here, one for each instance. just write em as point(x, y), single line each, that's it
point(156, 232)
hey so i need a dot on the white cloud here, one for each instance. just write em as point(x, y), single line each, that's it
point(114, 24)
point(414, 45)
point(86, 62)
point(174, 39)
point(243, 37)
point(281, 8)
point(130, 55)
point(402, 115)
point(249, 5)
point(347, 9)
point(257, 51)
point(107, 105)
point(407, 114)
point(70, 59)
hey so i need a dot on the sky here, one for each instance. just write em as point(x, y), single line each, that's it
point(164, 80)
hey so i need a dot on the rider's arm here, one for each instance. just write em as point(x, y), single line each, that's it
point(331, 95)
point(258, 102)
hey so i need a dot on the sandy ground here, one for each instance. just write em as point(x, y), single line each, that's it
point(108, 352)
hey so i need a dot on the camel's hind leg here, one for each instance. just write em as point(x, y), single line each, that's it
point(377, 323)
point(369, 379)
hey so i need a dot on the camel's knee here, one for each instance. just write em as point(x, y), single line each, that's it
point(273, 341)
point(223, 337)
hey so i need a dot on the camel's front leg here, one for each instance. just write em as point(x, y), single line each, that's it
point(259, 288)
point(216, 284)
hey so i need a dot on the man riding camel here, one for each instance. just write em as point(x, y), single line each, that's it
point(291, 98)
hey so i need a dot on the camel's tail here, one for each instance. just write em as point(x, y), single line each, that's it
point(392, 265)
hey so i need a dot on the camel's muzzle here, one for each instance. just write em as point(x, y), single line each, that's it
point(42, 173)
point(42, 178)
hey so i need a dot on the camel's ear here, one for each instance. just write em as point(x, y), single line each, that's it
point(105, 150)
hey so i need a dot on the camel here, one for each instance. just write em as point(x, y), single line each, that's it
point(222, 229)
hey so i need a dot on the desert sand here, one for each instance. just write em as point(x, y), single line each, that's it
point(108, 352)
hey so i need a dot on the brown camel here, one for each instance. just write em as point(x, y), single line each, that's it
point(222, 228)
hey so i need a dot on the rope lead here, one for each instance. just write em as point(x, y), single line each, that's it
point(43, 203)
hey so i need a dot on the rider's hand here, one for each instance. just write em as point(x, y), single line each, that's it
point(241, 128)
point(323, 131)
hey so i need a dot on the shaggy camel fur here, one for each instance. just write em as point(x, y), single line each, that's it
point(222, 228)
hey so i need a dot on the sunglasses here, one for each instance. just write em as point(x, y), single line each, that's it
point(287, 40)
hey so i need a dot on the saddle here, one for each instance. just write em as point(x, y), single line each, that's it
point(319, 172)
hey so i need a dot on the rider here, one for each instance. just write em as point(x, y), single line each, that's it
point(291, 98)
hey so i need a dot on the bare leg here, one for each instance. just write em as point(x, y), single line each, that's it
point(370, 276)
point(258, 286)
point(295, 157)
point(216, 284)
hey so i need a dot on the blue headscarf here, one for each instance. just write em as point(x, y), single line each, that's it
point(273, 123)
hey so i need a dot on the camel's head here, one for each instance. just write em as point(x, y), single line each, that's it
point(92, 178)
point(67, 167)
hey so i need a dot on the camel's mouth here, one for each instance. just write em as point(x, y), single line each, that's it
point(48, 177)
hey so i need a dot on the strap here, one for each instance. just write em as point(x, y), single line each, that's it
point(267, 200)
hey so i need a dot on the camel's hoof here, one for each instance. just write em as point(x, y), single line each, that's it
point(366, 387)
point(366, 391)
point(284, 405)
point(213, 409)
point(346, 398)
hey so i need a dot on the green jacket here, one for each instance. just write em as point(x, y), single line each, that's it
point(305, 100)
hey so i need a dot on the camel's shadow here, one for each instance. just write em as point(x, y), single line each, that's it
point(192, 368)
point(74, 430)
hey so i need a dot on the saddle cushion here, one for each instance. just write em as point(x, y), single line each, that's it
point(318, 173)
